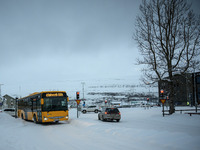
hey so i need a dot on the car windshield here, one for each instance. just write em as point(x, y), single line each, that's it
point(112, 110)
point(55, 104)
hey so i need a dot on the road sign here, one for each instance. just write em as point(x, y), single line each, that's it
point(163, 101)
point(78, 102)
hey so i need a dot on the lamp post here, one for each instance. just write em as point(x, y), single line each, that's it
point(0, 89)
point(16, 106)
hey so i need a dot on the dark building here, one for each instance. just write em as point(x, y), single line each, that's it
point(196, 87)
point(186, 88)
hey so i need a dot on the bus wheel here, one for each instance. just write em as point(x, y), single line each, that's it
point(22, 116)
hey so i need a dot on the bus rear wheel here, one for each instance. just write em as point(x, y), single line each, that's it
point(22, 116)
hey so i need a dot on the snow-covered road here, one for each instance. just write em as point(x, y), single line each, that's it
point(139, 129)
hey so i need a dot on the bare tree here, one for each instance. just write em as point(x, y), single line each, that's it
point(167, 34)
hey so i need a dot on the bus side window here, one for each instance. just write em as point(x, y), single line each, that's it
point(38, 102)
point(29, 102)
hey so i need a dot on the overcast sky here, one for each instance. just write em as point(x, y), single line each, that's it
point(63, 40)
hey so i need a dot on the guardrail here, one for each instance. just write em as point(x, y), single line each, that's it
point(193, 114)
point(181, 110)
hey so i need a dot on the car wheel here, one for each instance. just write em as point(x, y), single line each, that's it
point(118, 120)
point(96, 111)
point(99, 117)
point(103, 119)
point(84, 111)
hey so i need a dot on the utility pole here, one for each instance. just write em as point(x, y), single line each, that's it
point(20, 92)
point(83, 83)
point(1, 99)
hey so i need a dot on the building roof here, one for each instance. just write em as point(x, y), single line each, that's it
point(8, 96)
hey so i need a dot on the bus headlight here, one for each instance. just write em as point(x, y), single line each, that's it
point(66, 117)
point(45, 119)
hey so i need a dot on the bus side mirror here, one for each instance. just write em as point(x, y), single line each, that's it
point(42, 101)
point(67, 98)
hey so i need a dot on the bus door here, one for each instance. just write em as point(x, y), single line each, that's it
point(36, 107)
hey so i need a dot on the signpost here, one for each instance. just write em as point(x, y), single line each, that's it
point(78, 102)
point(163, 102)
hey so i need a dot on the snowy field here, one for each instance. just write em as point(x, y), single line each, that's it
point(139, 129)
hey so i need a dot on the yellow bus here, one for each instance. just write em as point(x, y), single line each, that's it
point(47, 106)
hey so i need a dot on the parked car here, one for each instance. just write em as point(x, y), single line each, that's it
point(146, 105)
point(90, 109)
point(109, 114)
point(10, 111)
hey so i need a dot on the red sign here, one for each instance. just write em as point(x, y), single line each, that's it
point(163, 101)
point(78, 102)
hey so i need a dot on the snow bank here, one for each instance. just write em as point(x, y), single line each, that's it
point(138, 129)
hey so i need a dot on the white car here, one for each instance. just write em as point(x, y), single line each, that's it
point(10, 111)
point(90, 109)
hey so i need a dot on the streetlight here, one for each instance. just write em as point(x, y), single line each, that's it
point(0, 89)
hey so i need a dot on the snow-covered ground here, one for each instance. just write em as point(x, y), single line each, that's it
point(139, 129)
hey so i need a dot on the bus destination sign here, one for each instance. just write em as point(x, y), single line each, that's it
point(54, 95)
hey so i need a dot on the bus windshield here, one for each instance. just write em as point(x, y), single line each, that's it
point(55, 104)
